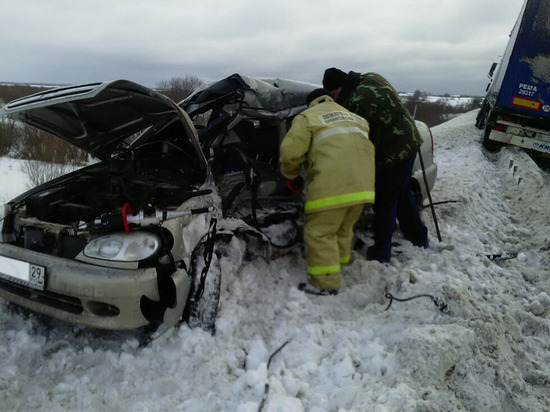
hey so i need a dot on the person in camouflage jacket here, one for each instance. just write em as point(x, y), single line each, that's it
point(397, 140)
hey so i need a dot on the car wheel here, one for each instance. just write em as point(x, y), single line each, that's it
point(482, 115)
point(205, 292)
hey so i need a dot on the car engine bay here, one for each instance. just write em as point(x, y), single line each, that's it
point(59, 218)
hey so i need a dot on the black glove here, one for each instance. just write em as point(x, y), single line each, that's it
point(295, 186)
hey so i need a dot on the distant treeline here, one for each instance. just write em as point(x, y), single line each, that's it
point(9, 92)
point(436, 112)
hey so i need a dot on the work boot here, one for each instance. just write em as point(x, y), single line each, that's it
point(312, 290)
point(374, 254)
point(358, 244)
point(425, 244)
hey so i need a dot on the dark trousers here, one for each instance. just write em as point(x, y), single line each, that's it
point(394, 200)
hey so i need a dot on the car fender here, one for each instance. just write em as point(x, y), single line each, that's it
point(173, 315)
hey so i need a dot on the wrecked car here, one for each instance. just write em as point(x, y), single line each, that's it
point(129, 242)
point(122, 243)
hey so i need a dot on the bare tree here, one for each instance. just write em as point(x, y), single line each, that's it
point(418, 96)
point(8, 92)
point(8, 136)
point(35, 144)
point(178, 88)
point(42, 172)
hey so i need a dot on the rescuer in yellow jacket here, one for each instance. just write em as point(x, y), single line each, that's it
point(333, 146)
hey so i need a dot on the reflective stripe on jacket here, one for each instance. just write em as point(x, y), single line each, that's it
point(333, 145)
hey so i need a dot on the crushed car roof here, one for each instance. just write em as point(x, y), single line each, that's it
point(269, 98)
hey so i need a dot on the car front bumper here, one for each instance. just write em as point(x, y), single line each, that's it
point(94, 296)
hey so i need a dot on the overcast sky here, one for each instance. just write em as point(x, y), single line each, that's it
point(438, 46)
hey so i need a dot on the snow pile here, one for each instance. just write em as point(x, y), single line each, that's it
point(277, 349)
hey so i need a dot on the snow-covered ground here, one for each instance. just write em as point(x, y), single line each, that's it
point(342, 353)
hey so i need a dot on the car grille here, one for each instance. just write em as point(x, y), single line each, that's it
point(54, 244)
point(54, 300)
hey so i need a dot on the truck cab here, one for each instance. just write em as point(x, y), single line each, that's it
point(516, 109)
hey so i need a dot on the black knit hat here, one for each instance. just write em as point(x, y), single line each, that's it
point(315, 94)
point(334, 78)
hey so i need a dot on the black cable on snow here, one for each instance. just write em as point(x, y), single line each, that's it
point(266, 388)
point(439, 302)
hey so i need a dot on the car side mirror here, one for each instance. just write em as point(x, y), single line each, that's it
point(492, 69)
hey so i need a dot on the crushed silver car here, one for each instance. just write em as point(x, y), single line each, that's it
point(119, 244)
point(133, 240)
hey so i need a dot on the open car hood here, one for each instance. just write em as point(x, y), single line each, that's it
point(260, 98)
point(95, 117)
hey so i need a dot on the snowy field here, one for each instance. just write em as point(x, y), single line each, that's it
point(452, 101)
point(345, 352)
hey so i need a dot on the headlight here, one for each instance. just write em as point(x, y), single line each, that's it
point(121, 247)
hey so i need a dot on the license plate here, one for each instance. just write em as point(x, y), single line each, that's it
point(33, 276)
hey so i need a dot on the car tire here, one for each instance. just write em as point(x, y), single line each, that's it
point(482, 115)
point(202, 310)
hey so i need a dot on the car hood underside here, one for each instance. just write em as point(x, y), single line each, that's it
point(95, 117)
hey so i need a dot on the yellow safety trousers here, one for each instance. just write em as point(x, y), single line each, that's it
point(328, 235)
